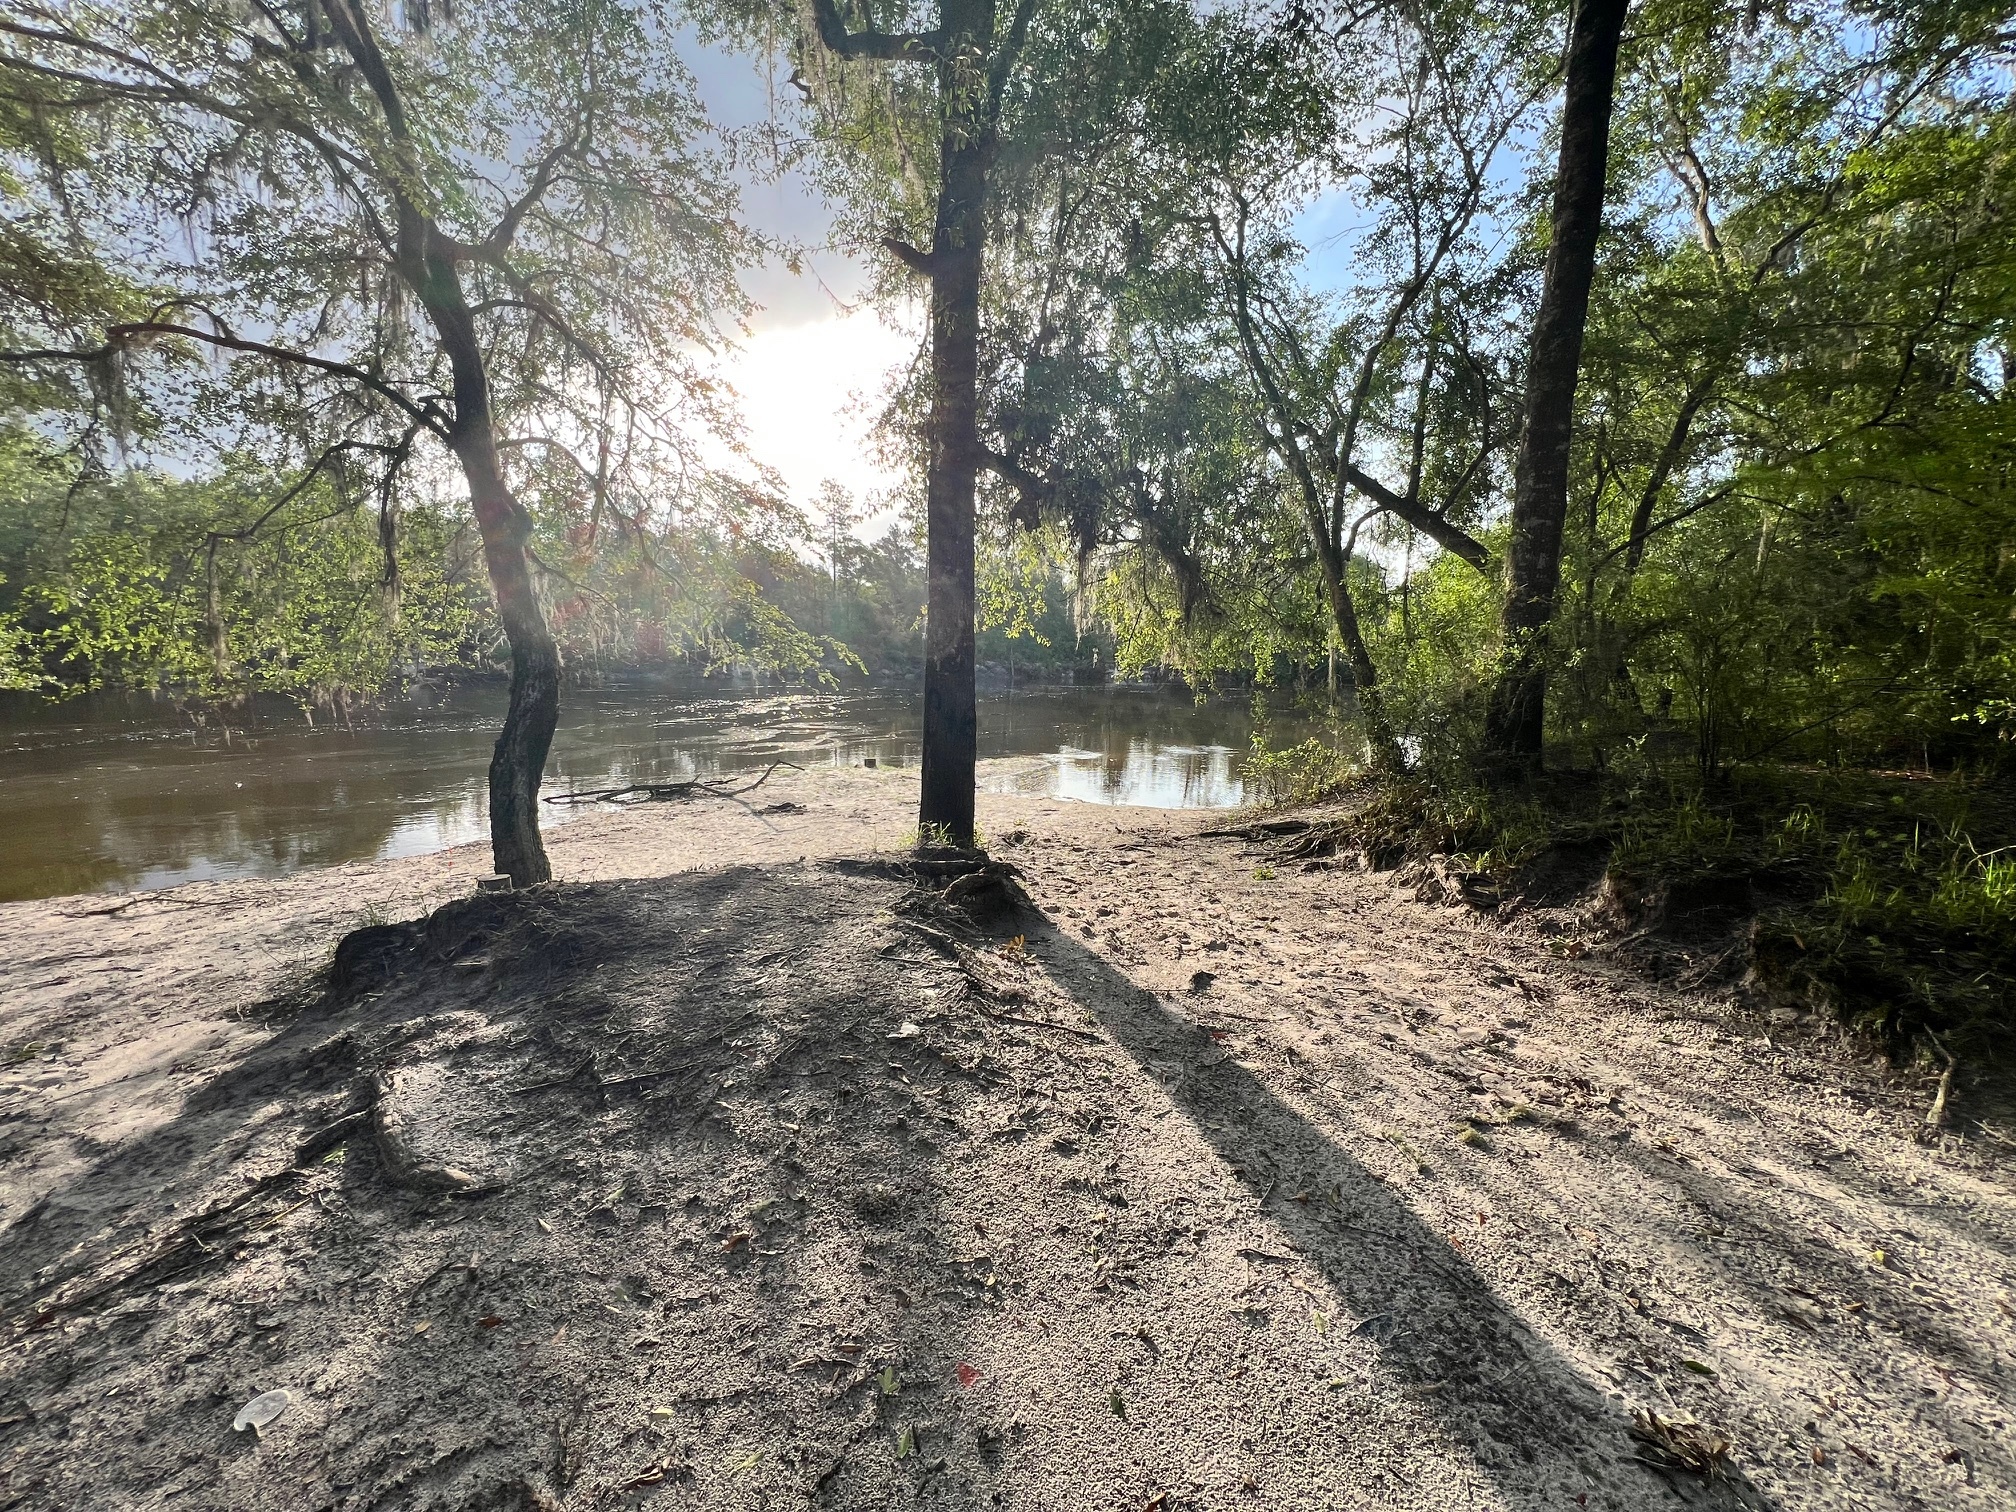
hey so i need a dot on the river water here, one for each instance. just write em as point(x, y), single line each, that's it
point(116, 793)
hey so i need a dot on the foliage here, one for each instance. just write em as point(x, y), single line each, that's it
point(354, 260)
point(1309, 771)
point(153, 582)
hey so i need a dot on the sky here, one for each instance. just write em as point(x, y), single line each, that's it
point(819, 357)
point(809, 384)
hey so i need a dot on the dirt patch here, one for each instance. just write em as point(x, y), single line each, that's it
point(1213, 1184)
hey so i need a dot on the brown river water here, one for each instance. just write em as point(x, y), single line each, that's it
point(111, 793)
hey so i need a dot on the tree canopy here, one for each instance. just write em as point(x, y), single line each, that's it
point(343, 340)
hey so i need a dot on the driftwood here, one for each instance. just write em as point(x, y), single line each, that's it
point(1260, 829)
point(154, 897)
point(667, 792)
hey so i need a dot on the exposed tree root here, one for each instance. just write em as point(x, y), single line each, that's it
point(396, 1153)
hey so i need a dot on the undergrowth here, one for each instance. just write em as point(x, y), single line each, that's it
point(1888, 901)
point(1299, 774)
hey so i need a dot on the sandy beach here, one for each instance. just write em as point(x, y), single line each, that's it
point(1222, 1181)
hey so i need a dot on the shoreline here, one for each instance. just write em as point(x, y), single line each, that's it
point(141, 992)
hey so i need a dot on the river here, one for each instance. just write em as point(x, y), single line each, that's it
point(110, 793)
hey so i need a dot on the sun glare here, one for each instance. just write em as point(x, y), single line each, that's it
point(809, 395)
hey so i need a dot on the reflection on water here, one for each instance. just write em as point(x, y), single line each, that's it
point(109, 792)
point(1146, 773)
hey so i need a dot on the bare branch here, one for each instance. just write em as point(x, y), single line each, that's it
point(1451, 538)
point(126, 334)
point(920, 263)
point(1034, 491)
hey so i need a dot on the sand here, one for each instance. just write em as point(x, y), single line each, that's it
point(738, 1171)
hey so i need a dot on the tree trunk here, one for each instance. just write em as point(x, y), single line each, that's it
point(1515, 718)
point(519, 759)
point(1365, 690)
point(427, 264)
point(951, 720)
point(1329, 553)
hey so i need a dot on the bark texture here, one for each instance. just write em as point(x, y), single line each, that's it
point(951, 718)
point(1515, 718)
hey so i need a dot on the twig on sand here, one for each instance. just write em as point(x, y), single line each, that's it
point(1265, 829)
point(118, 908)
point(186, 1236)
point(665, 792)
point(1035, 1023)
point(643, 1076)
point(1260, 1254)
point(571, 1079)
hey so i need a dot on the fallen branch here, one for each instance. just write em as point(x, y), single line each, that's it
point(401, 1162)
point(667, 792)
point(1263, 829)
point(119, 908)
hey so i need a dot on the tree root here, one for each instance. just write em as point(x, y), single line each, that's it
point(396, 1153)
point(1935, 1116)
point(190, 1245)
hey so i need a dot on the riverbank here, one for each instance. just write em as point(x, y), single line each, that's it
point(1218, 1183)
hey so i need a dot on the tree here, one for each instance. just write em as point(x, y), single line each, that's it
point(972, 54)
point(525, 180)
point(1515, 720)
point(1165, 226)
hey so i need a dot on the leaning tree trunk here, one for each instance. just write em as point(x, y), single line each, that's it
point(1515, 717)
point(1366, 693)
point(519, 758)
point(951, 720)
point(427, 263)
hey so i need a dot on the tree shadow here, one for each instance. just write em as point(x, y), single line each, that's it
point(591, 1318)
point(1534, 1425)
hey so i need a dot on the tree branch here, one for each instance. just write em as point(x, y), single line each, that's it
point(1034, 491)
point(122, 335)
point(1451, 538)
point(888, 47)
point(493, 247)
point(920, 263)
